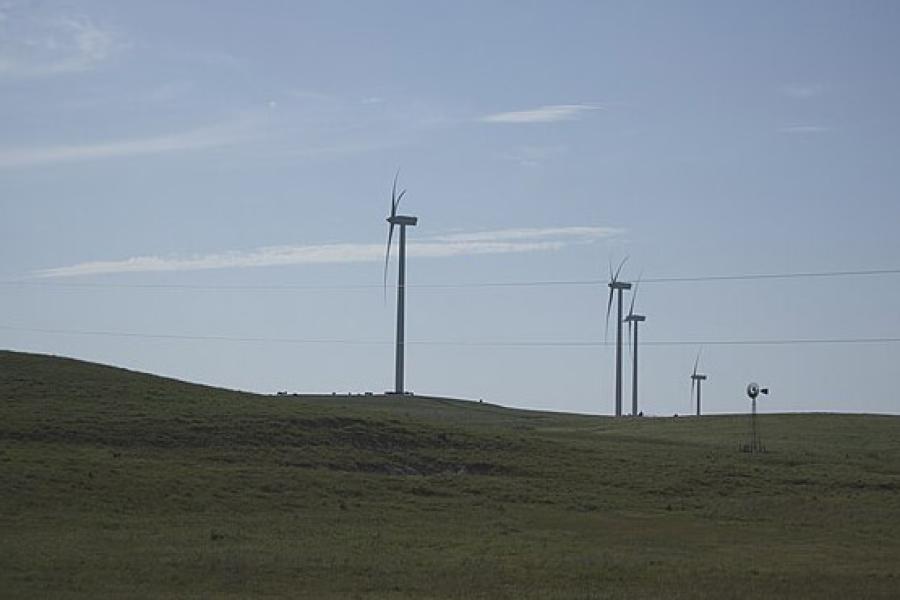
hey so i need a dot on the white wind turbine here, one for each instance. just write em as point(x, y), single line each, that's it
point(402, 221)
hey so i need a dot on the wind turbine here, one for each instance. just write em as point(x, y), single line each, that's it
point(697, 379)
point(633, 318)
point(617, 286)
point(402, 221)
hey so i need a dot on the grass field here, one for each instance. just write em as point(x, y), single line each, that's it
point(119, 484)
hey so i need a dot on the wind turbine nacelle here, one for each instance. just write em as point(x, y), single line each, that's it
point(639, 318)
point(402, 220)
point(619, 285)
point(698, 377)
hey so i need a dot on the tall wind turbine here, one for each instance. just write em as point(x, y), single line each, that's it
point(634, 319)
point(402, 221)
point(616, 286)
point(697, 379)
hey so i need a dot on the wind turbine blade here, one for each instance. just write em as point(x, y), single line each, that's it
point(608, 310)
point(609, 260)
point(619, 270)
point(387, 258)
point(634, 290)
point(693, 383)
point(630, 350)
point(397, 203)
point(697, 361)
point(394, 194)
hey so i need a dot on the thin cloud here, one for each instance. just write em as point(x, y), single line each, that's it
point(802, 91)
point(40, 45)
point(207, 137)
point(804, 129)
point(505, 241)
point(533, 156)
point(544, 114)
point(530, 233)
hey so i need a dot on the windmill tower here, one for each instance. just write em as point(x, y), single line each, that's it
point(402, 221)
point(696, 380)
point(755, 445)
point(617, 287)
point(634, 320)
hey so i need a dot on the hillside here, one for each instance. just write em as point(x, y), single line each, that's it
point(120, 484)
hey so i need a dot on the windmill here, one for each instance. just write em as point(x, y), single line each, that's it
point(634, 319)
point(696, 380)
point(617, 286)
point(402, 221)
point(755, 445)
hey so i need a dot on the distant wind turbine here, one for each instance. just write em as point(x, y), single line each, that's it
point(634, 319)
point(617, 286)
point(402, 221)
point(697, 379)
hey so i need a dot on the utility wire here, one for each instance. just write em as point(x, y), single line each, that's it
point(32, 283)
point(795, 275)
point(452, 343)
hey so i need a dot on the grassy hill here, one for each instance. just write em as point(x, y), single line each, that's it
point(120, 484)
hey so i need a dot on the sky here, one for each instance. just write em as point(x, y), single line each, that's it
point(199, 190)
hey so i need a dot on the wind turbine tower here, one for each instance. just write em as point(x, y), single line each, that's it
point(634, 319)
point(617, 287)
point(402, 221)
point(696, 380)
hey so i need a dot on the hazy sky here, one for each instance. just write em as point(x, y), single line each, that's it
point(221, 171)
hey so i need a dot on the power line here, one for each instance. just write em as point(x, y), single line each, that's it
point(751, 276)
point(31, 283)
point(452, 343)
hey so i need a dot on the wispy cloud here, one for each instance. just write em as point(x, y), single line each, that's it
point(802, 91)
point(35, 45)
point(804, 129)
point(533, 156)
point(222, 134)
point(532, 233)
point(504, 241)
point(543, 114)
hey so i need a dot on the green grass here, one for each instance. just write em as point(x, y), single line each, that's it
point(119, 484)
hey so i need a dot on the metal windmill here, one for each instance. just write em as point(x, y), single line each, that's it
point(634, 319)
point(616, 286)
point(755, 445)
point(403, 221)
point(696, 380)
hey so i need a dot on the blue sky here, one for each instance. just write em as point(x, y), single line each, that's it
point(223, 170)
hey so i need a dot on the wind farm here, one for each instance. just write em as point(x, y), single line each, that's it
point(614, 497)
point(226, 371)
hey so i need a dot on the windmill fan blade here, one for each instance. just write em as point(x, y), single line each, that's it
point(693, 383)
point(697, 361)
